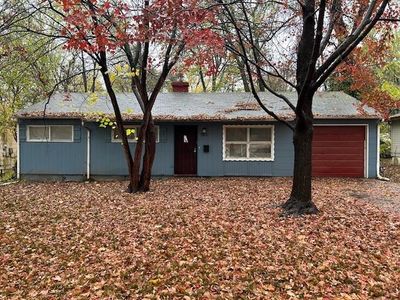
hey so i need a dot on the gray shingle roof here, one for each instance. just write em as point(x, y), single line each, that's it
point(200, 107)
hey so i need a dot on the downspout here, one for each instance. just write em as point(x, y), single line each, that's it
point(18, 153)
point(378, 155)
point(88, 133)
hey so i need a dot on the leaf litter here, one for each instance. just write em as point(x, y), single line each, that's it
point(192, 238)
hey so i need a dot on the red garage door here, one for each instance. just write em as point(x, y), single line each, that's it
point(338, 151)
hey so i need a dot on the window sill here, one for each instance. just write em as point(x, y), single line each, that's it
point(248, 159)
point(52, 142)
point(129, 142)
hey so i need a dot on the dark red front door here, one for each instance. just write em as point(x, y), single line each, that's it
point(338, 151)
point(186, 150)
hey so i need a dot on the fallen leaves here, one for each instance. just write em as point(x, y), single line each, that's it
point(197, 239)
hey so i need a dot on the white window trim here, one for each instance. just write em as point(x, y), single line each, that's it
point(28, 138)
point(137, 127)
point(224, 158)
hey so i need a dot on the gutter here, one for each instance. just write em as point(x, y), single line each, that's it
point(88, 136)
point(378, 154)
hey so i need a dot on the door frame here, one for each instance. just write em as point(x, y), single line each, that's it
point(366, 142)
point(195, 127)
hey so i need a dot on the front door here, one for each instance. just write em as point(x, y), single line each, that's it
point(185, 150)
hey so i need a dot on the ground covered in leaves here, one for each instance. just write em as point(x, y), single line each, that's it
point(198, 239)
point(389, 170)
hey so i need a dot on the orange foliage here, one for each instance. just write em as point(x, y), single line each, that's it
point(361, 70)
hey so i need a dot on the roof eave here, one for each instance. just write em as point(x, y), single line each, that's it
point(197, 118)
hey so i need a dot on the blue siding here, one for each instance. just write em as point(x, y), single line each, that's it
point(53, 158)
point(107, 157)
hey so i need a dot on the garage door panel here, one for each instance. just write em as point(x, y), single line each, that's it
point(338, 151)
point(339, 137)
point(339, 165)
point(338, 144)
point(343, 169)
point(339, 172)
point(339, 130)
point(343, 173)
point(337, 157)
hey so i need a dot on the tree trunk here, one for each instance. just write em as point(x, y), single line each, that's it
point(148, 159)
point(213, 83)
point(203, 82)
point(93, 87)
point(136, 183)
point(137, 161)
point(243, 75)
point(300, 201)
point(119, 121)
point(84, 74)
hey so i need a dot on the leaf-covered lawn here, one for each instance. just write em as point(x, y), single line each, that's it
point(197, 239)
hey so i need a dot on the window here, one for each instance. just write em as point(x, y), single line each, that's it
point(132, 131)
point(248, 142)
point(50, 133)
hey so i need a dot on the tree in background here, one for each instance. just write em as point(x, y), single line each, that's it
point(309, 37)
point(27, 73)
point(224, 75)
point(372, 73)
point(229, 69)
point(31, 66)
point(12, 12)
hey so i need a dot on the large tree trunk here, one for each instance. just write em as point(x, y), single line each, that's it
point(137, 161)
point(148, 158)
point(136, 183)
point(300, 201)
point(120, 126)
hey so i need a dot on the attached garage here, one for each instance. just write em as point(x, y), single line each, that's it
point(339, 151)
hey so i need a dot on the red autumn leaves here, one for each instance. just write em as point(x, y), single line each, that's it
point(94, 26)
point(198, 239)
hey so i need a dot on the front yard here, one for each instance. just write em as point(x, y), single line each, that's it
point(199, 239)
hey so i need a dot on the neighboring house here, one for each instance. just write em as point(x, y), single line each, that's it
point(8, 151)
point(395, 138)
point(207, 134)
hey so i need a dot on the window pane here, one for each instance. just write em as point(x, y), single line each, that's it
point(235, 151)
point(238, 134)
point(39, 133)
point(61, 133)
point(260, 151)
point(260, 134)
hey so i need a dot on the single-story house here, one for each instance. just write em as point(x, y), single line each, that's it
point(205, 134)
point(395, 138)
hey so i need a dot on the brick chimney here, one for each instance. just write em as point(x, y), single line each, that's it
point(180, 86)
